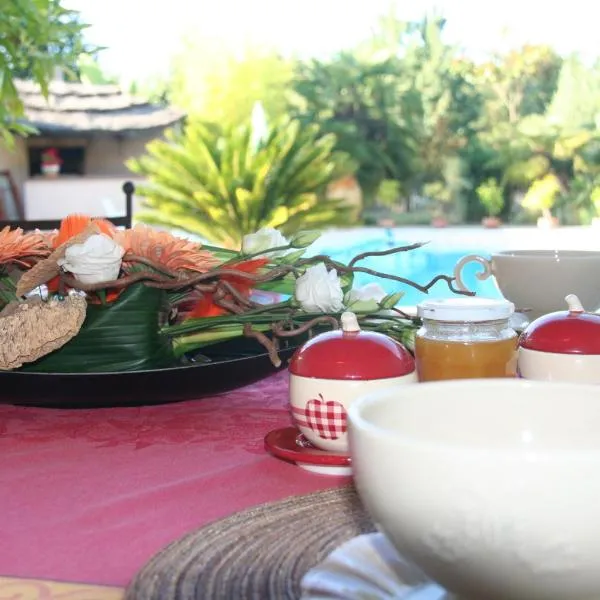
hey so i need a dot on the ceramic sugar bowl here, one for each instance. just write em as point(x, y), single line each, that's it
point(333, 369)
point(562, 346)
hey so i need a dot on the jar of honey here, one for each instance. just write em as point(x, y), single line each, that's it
point(465, 338)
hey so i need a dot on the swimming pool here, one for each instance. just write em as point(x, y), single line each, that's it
point(419, 265)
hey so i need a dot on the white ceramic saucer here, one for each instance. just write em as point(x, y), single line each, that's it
point(368, 568)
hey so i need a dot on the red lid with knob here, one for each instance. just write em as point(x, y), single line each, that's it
point(566, 332)
point(350, 353)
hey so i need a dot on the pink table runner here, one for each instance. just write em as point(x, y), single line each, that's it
point(91, 495)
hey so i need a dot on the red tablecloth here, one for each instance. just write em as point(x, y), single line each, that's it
point(91, 495)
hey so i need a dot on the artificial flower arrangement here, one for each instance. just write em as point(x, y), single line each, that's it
point(94, 298)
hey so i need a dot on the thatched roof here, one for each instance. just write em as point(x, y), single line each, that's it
point(87, 108)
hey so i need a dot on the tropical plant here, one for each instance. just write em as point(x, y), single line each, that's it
point(36, 37)
point(491, 197)
point(221, 183)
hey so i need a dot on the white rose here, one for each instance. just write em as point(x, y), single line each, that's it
point(319, 290)
point(97, 260)
point(264, 239)
point(370, 291)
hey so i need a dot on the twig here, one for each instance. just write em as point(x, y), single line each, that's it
point(115, 284)
point(265, 341)
point(422, 288)
point(232, 307)
point(154, 265)
point(279, 331)
point(241, 299)
point(403, 314)
point(364, 255)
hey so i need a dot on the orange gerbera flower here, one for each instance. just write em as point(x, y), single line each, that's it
point(206, 307)
point(20, 248)
point(75, 224)
point(161, 247)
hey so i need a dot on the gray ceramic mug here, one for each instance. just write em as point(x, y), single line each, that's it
point(537, 281)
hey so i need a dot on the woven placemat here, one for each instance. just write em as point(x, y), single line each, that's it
point(257, 554)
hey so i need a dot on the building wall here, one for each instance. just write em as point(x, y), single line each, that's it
point(107, 155)
point(15, 161)
point(102, 196)
point(104, 159)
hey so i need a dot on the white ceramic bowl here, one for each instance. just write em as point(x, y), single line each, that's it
point(549, 366)
point(491, 487)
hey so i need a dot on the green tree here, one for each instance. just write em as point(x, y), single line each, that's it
point(36, 37)
point(212, 83)
point(520, 82)
point(398, 106)
point(362, 102)
point(576, 103)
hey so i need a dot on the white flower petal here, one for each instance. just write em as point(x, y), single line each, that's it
point(97, 260)
point(264, 239)
point(319, 290)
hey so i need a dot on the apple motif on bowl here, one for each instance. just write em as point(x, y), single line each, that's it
point(333, 369)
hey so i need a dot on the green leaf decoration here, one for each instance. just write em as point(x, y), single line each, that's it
point(120, 336)
point(346, 280)
point(8, 287)
point(291, 257)
point(391, 300)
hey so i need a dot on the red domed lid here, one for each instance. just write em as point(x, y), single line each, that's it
point(565, 332)
point(350, 353)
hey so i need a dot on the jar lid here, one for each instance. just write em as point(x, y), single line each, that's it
point(465, 309)
point(573, 331)
point(350, 353)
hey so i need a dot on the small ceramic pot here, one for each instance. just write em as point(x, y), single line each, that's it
point(50, 170)
point(562, 346)
point(333, 369)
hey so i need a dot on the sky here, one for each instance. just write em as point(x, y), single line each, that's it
point(142, 35)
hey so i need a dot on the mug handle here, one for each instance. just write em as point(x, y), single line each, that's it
point(484, 262)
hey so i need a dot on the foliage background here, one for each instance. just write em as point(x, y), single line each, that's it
point(421, 125)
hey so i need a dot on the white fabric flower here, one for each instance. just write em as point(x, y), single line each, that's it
point(97, 260)
point(319, 290)
point(264, 239)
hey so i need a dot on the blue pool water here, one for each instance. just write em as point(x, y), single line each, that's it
point(420, 265)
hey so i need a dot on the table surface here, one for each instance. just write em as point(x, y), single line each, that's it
point(89, 496)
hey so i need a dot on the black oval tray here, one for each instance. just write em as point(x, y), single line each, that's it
point(227, 366)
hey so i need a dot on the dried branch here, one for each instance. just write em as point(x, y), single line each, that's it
point(237, 295)
point(341, 268)
point(122, 282)
point(220, 299)
point(364, 255)
point(265, 341)
point(403, 314)
point(154, 265)
point(278, 328)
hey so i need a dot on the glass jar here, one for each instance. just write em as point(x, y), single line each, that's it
point(465, 338)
